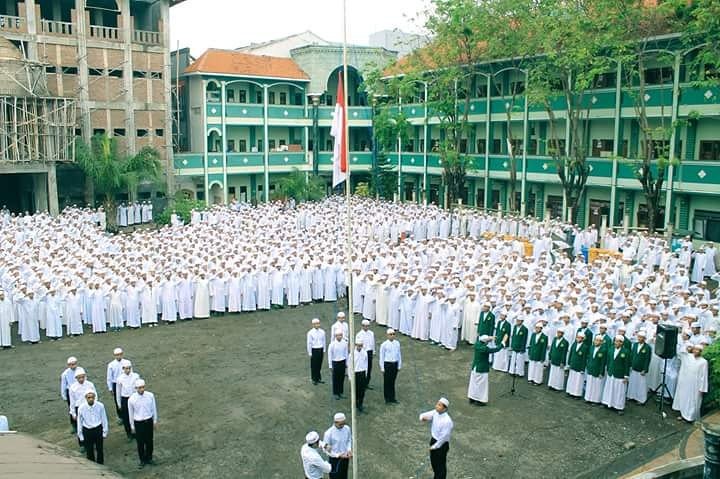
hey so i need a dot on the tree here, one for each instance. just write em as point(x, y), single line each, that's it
point(112, 173)
point(297, 186)
point(573, 39)
point(389, 129)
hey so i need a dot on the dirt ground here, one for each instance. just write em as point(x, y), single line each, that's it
point(235, 400)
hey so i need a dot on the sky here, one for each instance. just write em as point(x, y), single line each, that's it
point(203, 24)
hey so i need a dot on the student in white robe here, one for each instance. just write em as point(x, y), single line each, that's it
point(358, 291)
point(452, 319)
point(278, 285)
point(340, 326)
point(249, 290)
point(330, 283)
point(264, 290)
point(73, 312)
point(537, 353)
point(234, 292)
point(637, 383)
point(436, 316)
point(406, 308)
point(132, 305)
point(115, 309)
point(53, 315)
point(201, 305)
point(293, 286)
point(421, 324)
point(381, 301)
point(27, 314)
point(369, 294)
point(306, 284)
point(168, 299)
point(317, 281)
point(471, 315)
point(99, 317)
point(185, 297)
point(218, 293)
point(149, 304)
point(7, 317)
point(691, 384)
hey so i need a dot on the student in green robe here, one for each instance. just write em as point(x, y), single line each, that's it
point(558, 357)
point(537, 352)
point(518, 347)
point(595, 370)
point(486, 323)
point(478, 386)
point(577, 360)
point(637, 383)
point(618, 371)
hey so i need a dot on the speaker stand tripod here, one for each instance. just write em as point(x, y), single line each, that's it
point(662, 388)
point(513, 389)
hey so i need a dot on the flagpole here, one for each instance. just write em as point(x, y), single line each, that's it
point(348, 251)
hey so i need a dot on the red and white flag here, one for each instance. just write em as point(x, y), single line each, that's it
point(338, 131)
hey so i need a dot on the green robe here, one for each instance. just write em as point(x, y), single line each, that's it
point(588, 336)
point(577, 359)
point(518, 341)
point(486, 323)
point(597, 361)
point(618, 367)
point(502, 330)
point(481, 359)
point(538, 347)
point(558, 352)
point(641, 354)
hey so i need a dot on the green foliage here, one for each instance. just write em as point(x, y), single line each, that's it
point(183, 207)
point(363, 189)
point(712, 355)
point(383, 179)
point(295, 185)
point(390, 126)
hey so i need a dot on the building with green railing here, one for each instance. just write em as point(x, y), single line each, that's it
point(254, 118)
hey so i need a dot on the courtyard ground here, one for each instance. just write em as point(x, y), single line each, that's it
point(235, 400)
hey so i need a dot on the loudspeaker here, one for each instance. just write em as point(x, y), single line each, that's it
point(666, 341)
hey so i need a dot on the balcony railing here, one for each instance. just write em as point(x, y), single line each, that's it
point(105, 33)
point(146, 37)
point(54, 27)
point(10, 23)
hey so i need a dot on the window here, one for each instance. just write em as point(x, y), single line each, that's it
point(480, 144)
point(50, 69)
point(659, 76)
point(329, 145)
point(710, 150)
point(283, 98)
point(271, 97)
point(231, 191)
point(481, 91)
point(329, 100)
point(159, 132)
point(98, 131)
point(602, 148)
point(95, 72)
point(517, 147)
point(260, 145)
point(141, 133)
point(242, 96)
point(231, 146)
point(556, 147)
point(230, 94)
point(69, 71)
point(281, 143)
point(144, 195)
point(259, 97)
point(517, 87)
point(422, 146)
point(78, 132)
point(119, 132)
point(155, 75)
point(496, 146)
point(434, 145)
point(242, 146)
point(463, 145)
point(409, 146)
point(605, 80)
point(298, 99)
point(115, 73)
point(532, 149)
point(271, 145)
point(139, 74)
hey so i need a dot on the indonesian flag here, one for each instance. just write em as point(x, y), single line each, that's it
point(338, 132)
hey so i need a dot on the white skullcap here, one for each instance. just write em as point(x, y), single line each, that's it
point(365, 322)
point(390, 331)
point(90, 391)
point(117, 351)
point(620, 337)
point(71, 359)
point(487, 303)
point(444, 402)
point(312, 437)
point(695, 325)
point(80, 371)
point(581, 334)
point(139, 383)
point(339, 417)
point(340, 314)
point(125, 363)
point(641, 333)
point(484, 338)
point(315, 321)
point(538, 323)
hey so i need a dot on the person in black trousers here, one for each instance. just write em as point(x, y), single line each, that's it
point(316, 351)
point(337, 359)
point(92, 425)
point(143, 421)
point(390, 361)
point(440, 431)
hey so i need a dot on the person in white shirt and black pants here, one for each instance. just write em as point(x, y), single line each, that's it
point(440, 431)
point(92, 427)
point(143, 421)
point(338, 361)
point(367, 337)
point(316, 350)
point(390, 361)
point(360, 369)
point(338, 444)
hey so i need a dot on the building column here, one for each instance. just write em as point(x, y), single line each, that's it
point(52, 193)
point(540, 201)
point(31, 21)
point(683, 220)
point(167, 79)
point(40, 191)
point(127, 31)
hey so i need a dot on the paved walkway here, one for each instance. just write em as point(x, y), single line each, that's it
point(692, 445)
point(24, 457)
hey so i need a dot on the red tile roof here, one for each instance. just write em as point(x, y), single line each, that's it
point(230, 62)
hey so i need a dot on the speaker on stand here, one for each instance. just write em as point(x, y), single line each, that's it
point(666, 348)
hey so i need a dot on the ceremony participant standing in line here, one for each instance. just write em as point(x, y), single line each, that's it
point(142, 410)
point(7, 317)
point(501, 359)
point(479, 372)
point(367, 338)
point(558, 357)
point(316, 350)
point(537, 352)
point(485, 322)
point(692, 383)
point(77, 395)
point(618, 369)
point(338, 362)
point(67, 378)
point(641, 355)
point(338, 444)
point(92, 427)
point(390, 361)
point(360, 370)
point(440, 430)
point(314, 466)
point(518, 343)
point(124, 389)
point(340, 325)
point(577, 360)
point(114, 369)
point(595, 372)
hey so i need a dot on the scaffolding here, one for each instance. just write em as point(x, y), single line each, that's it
point(37, 129)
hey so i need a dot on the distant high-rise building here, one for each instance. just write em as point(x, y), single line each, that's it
point(397, 40)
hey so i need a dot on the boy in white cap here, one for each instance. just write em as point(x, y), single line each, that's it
point(338, 444)
point(618, 370)
point(316, 350)
point(367, 338)
point(76, 394)
point(314, 466)
point(125, 388)
point(67, 378)
point(692, 382)
point(390, 361)
point(92, 427)
point(640, 364)
point(142, 411)
point(340, 326)
point(113, 371)
point(478, 386)
point(440, 430)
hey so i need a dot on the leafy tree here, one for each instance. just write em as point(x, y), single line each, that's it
point(183, 208)
point(389, 127)
point(112, 173)
point(297, 186)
